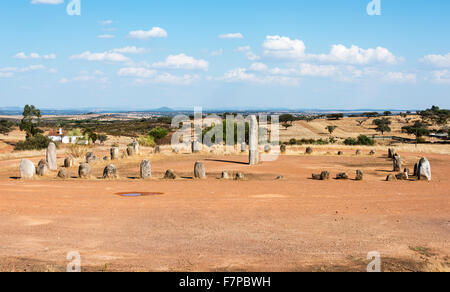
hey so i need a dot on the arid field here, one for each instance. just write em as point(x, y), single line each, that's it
point(261, 223)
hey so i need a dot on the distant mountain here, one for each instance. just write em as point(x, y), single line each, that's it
point(163, 110)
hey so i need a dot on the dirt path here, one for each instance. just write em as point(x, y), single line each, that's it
point(260, 224)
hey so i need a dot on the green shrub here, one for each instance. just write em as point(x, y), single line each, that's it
point(362, 140)
point(159, 133)
point(37, 142)
point(351, 141)
point(147, 141)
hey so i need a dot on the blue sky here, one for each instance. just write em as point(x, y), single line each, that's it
point(300, 54)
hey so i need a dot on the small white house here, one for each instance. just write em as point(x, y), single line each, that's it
point(61, 136)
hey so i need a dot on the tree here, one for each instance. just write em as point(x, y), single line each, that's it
point(370, 114)
point(102, 138)
point(435, 115)
point(31, 121)
point(287, 118)
point(387, 113)
point(331, 129)
point(419, 129)
point(6, 127)
point(90, 135)
point(287, 126)
point(335, 116)
point(383, 125)
point(383, 128)
point(159, 133)
point(361, 122)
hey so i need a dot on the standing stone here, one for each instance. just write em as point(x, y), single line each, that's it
point(397, 163)
point(196, 147)
point(42, 168)
point(146, 169)
point(316, 176)
point(391, 177)
point(424, 169)
point(325, 175)
point(157, 149)
point(63, 173)
point(341, 175)
point(309, 150)
point(114, 153)
point(391, 153)
point(239, 176)
point(90, 157)
point(110, 172)
point(254, 141)
point(130, 151)
point(27, 169)
point(51, 157)
point(68, 162)
point(170, 174)
point(225, 175)
point(416, 169)
point(402, 176)
point(84, 171)
point(283, 149)
point(136, 147)
point(199, 170)
point(359, 175)
point(243, 147)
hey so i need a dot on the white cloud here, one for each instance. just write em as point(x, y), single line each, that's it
point(182, 61)
point(34, 56)
point(440, 61)
point(105, 57)
point(167, 79)
point(442, 76)
point(52, 2)
point(258, 67)
point(130, 50)
point(400, 77)
point(283, 47)
point(286, 48)
point(357, 56)
point(9, 72)
point(248, 52)
point(241, 75)
point(155, 32)
point(64, 80)
point(106, 36)
point(231, 36)
point(136, 72)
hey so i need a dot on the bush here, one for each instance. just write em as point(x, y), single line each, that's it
point(37, 142)
point(147, 141)
point(75, 133)
point(308, 142)
point(362, 140)
point(159, 133)
point(351, 141)
point(77, 151)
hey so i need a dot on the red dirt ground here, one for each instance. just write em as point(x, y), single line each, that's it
point(260, 224)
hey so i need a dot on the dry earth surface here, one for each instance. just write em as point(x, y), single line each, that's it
point(259, 224)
